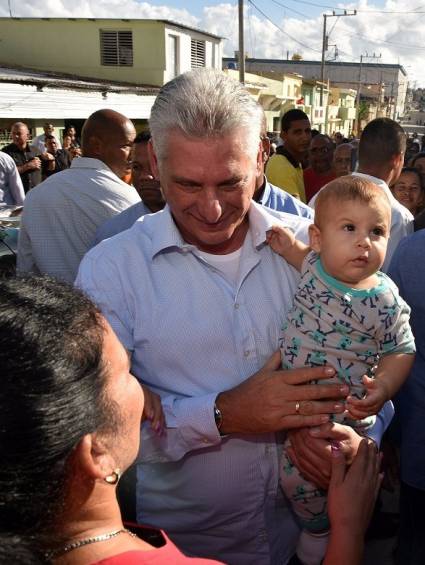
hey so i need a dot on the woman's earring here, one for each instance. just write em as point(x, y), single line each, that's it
point(113, 478)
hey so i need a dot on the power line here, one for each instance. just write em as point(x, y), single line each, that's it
point(281, 30)
point(359, 11)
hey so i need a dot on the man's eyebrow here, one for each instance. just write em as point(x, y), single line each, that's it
point(184, 180)
point(232, 180)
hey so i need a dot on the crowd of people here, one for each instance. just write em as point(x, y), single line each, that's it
point(232, 311)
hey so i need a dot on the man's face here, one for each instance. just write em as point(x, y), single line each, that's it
point(51, 146)
point(20, 136)
point(208, 184)
point(320, 155)
point(298, 137)
point(48, 129)
point(342, 160)
point(143, 180)
point(115, 150)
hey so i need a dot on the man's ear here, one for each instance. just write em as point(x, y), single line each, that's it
point(265, 141)
point(315, 238)
point(96, 145)
point(397, 162)
point(93, 458)
point(260, 159)
point(153, 161)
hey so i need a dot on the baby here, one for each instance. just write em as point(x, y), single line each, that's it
point(346, 314)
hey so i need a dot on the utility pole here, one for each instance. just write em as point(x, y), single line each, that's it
point(325, 45)
point(241, 45)
point(359, 87)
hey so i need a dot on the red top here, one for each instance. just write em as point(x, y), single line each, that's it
point(167, 554)
point(314, 182)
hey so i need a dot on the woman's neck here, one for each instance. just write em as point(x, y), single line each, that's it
point(90, 516)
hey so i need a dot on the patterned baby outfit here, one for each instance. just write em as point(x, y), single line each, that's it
point(348, 329)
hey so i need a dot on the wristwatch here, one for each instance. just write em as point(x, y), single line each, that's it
point(218, 417)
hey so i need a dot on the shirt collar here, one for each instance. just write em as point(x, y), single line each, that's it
point(166, 235)
point(265, 191)
point(282, 150)
point(379, 182)
point(89, 163)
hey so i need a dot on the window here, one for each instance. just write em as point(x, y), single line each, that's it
point(116, 48)
point(197, 53)
point(173, 59)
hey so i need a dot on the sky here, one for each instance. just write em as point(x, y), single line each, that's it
point(391, 29)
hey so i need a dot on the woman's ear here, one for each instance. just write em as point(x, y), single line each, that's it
point(315, 239)
point(93, 457)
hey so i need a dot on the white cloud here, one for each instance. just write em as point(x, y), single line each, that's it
point(95, 9)
point(390, 33)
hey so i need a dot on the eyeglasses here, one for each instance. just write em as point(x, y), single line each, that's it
point(323, 150)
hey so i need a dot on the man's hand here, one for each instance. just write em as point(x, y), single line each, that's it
point(273, 400)
point(152, 410)
point(47, 156)
point(311, 450)
point(33, 165)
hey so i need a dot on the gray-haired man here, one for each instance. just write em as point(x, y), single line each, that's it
point(198, 298)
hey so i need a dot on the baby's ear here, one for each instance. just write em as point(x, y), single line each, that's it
point(315, 238)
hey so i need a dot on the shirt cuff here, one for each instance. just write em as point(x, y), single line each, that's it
point(383, 420)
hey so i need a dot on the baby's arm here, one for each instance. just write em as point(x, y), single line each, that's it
point(283, 242)
point(391, 372)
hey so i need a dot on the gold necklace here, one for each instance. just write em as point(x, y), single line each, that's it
point(86, 541)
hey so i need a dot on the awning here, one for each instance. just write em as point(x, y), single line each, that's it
point(43, 102)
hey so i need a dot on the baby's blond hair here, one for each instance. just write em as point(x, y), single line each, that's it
point(345, 189)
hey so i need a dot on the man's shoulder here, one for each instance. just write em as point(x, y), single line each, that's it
point(279, 199)
point(121, 222)
point(6, 159)
point(9, 149)
point(281, 160)
point(128, 249)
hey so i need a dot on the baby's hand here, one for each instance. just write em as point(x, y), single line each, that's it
point(376, 396)
point(281, 240)
point(152, 411)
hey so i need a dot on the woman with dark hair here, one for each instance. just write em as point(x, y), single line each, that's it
point(408, 189)
point(70, 416)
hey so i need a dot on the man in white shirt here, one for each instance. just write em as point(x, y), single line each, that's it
point(11, 188)
point(381, 157)
point(197, 297)
point(39, 142)
point(60, 218)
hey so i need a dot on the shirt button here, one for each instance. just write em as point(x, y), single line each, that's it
point(205, 440)
point(185, 250)
point(236, 306)
point(246, 353)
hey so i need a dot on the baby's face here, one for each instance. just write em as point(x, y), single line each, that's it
point(353, 240)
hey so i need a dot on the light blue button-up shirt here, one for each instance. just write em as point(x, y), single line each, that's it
point(278, 199)
point(192, 335)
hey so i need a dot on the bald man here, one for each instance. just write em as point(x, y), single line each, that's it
point(62, 214)
point(25, 157)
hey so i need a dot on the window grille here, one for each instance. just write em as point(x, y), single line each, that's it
point(116, 48)
point(197, 53)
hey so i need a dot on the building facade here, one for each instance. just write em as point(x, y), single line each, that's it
point(148, 52)
point(391, 78)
